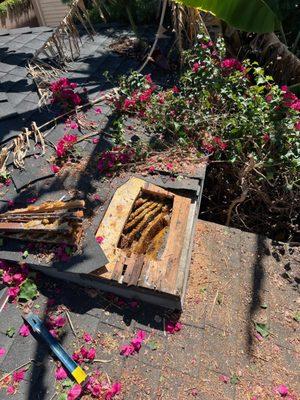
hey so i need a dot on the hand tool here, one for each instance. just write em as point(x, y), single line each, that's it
point(39, 328)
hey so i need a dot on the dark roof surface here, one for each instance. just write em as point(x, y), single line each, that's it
point(17, 91)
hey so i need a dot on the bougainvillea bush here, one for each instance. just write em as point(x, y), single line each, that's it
point(236, 116)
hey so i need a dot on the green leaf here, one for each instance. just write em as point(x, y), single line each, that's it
point(262, 329)
point(296, 317)
point(25, 254)
point(28, 290)
point(62, 396)
point(10, 332)
point(69, 251)
point(247, 15)
point(264, 306)
point(203, 290)
point(67, 383)
point(234, 380)
point(152, 344)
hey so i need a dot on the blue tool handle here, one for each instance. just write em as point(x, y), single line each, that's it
point(38, 327)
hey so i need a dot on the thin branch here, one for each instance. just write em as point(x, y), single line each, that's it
point(16, 369)
point(71, 323)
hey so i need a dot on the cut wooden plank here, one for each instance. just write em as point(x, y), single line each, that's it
point(118, 269)
point(133, 270)
point(35, 225)
point(49, 207)
point(134, 278)
point(162, 274)
point(157, 191)
point(129, 266)
point(174, 247)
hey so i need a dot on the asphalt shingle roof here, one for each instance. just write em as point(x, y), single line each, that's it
point(16, 48)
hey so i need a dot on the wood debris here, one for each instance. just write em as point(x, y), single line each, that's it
point(50, 222)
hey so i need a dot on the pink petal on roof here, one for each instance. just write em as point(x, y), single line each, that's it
point(60, 374)
point(24, 330)
point(224, 378)
point(19, 375)
point(282, 390)
point(74, 393)
point(87, 337)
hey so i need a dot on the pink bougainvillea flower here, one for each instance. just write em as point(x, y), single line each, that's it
point(254, 398)
point(127, 350)
point(64, 144)
point(53, 333)
point(59, 321)
point(224, 378)
point(76, 356)
point(297, 126)
point(113, 391)
point(100, 239)
point(2, 351)
point(148, 78)
point(96, 197)
point(7, 278)
point(194, 392)
point(7, 182)
point(232, 64)
point(196, 67)
point(71, 124)
point(282, 390)
point(151, 168)
point(87, 337)
point(74, 392)
point(169, 166)
point(141, 335)
point(10, 390)
point(55, 168)
point(269, 98)
point(24, 330)
point(295, 105)
point(222, 145)
point(135, 344)
point(98, 110)
point(95, 389)
point(96, 140)
point(18, 279)
point(172, 327)
point(91, 354)
point(208, 147)
point(129, 103)
point(60, 374)
point(266, 138)
point(284, 88)
point(13, 292)
point(175, 89)
point(84, 352)
point(31, 200)
point(19, 375)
